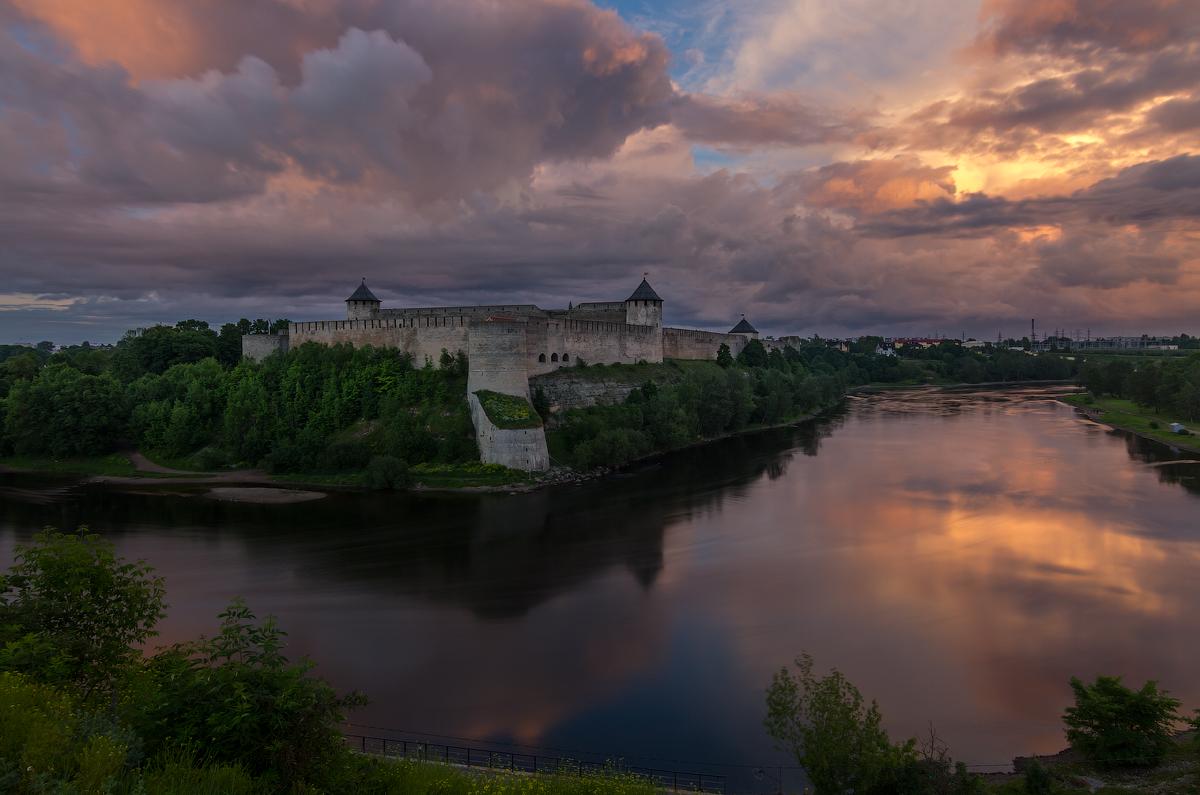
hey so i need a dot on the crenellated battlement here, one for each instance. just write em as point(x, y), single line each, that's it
point(431, 321)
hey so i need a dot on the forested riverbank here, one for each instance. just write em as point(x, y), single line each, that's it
point(1155, 399)
point(182, 396)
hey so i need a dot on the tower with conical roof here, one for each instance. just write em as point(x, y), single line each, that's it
point(745, 329)
point(362, 304)
point(644, 307)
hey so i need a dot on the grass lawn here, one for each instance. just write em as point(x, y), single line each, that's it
point(113, 464)
point(508, 411)
point(410, 776)
point(1128, 415)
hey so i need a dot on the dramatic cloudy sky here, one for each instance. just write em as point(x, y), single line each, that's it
point(831, 166)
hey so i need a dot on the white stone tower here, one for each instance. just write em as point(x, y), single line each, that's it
point(644, 307)
point(362, 304)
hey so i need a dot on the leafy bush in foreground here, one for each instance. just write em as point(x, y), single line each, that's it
point(1115, 726)
point(240, 699)
point(71, 612)
point(839, 741)
point(825, 722)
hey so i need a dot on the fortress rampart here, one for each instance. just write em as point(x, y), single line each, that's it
point(507, 343)
point(682, 343)
point(422, 338)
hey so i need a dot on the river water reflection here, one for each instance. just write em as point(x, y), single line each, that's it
point(959, 555)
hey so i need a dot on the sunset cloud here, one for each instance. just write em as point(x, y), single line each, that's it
point(828, 170)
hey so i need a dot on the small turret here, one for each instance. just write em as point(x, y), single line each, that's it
point(362, 303)
point(644, 307)
point(745, 329)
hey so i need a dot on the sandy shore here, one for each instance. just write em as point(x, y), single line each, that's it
point(263, 496)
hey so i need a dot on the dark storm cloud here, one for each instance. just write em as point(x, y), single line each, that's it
point(1178, 115)
point(1087, 26)
point(164, 158)
point(1090, 260)
point(1073, 101)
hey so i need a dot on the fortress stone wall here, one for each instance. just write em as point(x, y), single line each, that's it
point(259, 346)
point(683, 343)
point(423, 338)
point(506, 344)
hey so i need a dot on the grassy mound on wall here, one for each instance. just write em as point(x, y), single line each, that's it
point(508, 411)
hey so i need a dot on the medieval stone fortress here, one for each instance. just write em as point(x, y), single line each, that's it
point(507, 344)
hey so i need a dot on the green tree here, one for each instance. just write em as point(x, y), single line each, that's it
point(1038, 780)
point(541, 403)
point(386, 472)
point(229, 345)
point(73, 611)
point(238, 697)
point(1115, 726)
point(64, 412)
point(753, 355)
point(1144, 384)
point(866, 344)
point(829, 728)
point(23, 367)
point(724, 357)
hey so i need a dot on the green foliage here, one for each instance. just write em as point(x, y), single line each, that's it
point(387, 472)
point(702, 400)
point(541, 403)
point(508, 411)
point(48, 745)
point(49, 742)
point(71, 611)
point(724, 357)
point(949, 362)
point(240, 699)
point(175, 390)
point(1038, 780)
point(412, 776)
point(908, 772)
point(753, 355)
point(178, 773)
point(825, 723)
point(1167, 387)
point(839, 741)
point(1115, 726)
point(64, 412)
point(346, 455)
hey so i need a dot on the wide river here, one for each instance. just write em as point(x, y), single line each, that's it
point(958, 554)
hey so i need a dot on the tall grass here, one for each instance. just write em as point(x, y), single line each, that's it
point(412, 776)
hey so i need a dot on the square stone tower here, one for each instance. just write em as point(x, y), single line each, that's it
point(644, 307)
point(362, 304)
